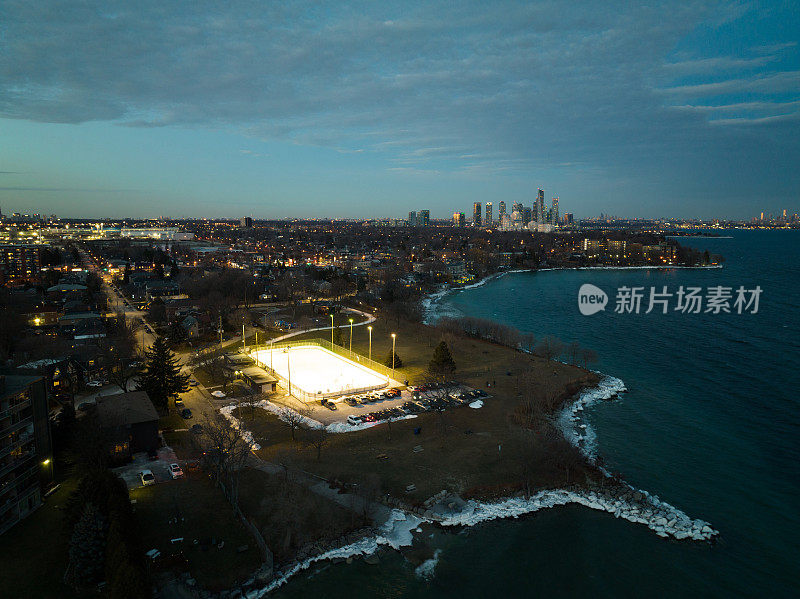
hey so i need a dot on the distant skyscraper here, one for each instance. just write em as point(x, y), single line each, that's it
point(476, 214)
point(459, 220)
point(527, 216)
point(501, 211)
point(246, 222)
point(489, 214)
point(412, 219)
point(554, 212)
point(424, 218)
point(540, 206)
point(517, 207)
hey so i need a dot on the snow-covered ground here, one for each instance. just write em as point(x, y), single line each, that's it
point(315, 370)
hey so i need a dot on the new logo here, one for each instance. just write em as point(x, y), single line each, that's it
point(591, 299)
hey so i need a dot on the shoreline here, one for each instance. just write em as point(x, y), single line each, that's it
point(445, 289)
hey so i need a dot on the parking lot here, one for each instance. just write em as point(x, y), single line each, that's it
point(376, 406)
point(159, 467)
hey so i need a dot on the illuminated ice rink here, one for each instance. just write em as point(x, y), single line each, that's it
point(317, 370)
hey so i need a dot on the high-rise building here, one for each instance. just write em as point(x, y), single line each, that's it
point(527, 216)
point(26, 459)
point(412, 219)
point(246, 222)
point(540, 206)
point(488, 220)
point(424, 218)
point(19, 262)
point(517, 207)
point(476, 214)
point(554, 212)
point(501, 211)
point(459, 220)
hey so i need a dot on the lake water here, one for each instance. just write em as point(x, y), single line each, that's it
point(711, 425)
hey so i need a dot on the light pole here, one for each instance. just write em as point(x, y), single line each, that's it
point(331, 331)
point(244, 341)
point(351, 337)
point(369, 328)
point(288, 370)
point(394, 337)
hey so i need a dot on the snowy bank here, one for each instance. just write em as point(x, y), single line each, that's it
point(636, 506)
point(396, 532)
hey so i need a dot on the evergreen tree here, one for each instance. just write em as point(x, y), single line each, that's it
point(398, 363)
point(162, 374)
point(442, 362)
point(126, 274)
point(177, 334)
point(338, 338)
point(87, 547)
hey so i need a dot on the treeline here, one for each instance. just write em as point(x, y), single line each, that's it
point(104, 543)
point(548, 347)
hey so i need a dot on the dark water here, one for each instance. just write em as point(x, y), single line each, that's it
point(711, 425)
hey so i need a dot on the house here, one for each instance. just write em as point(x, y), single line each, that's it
point(192, 327)
point(130, 423)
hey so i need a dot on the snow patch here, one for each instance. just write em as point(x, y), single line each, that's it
point(245, 434)
point(478, 403)
point(426, 569)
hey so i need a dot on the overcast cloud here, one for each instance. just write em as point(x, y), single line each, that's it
point(638, 93)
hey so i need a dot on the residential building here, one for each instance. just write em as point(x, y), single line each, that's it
point(25, 447)
point(412, 219)
point(539, 212)
point(501, 211)
point(459, 220)
point(476, 214)
point(554, 212)
point(130, 423)
point(19, 262)
point(424, 218)
point(246, 222)
point(488, 214)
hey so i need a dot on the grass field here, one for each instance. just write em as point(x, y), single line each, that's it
point(203, 513)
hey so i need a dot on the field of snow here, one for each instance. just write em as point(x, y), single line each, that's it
point(316, 370)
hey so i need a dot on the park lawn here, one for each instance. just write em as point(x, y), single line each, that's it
point(171, 421)
point(35, 552)
point(465, 450)
point(206, 514)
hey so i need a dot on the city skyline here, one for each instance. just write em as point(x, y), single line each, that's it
point(342, 111)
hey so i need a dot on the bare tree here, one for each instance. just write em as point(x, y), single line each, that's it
point(549, 348)
point(589, 356)
point(573, 350)
point(295, 418)
point(224, 455)
point(318, 438)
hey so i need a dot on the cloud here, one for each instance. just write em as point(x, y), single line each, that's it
point(481, 87)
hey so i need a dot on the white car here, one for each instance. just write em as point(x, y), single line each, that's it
point(147, 478)
point(175, 471)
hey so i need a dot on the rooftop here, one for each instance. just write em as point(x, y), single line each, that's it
point(124, 409)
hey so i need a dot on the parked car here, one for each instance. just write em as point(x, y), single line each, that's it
point(186, 413)
point(193, 383)
point(175, 471)
point(197, 428)
point(353, 420)
point(351, 401)
point(147, 478)
point(179, 403)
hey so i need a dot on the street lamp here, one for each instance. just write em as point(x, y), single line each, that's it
point(351, 337)
point(331, 330)
point(369, 328)
point(394, 337)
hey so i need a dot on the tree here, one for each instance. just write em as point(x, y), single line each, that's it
point(442, 361)
point(119, 353)
point(317, 438)
point(573, 350)
point(177, 334)
point(589, 356)
point(294, 418)
point(162, 375)
point(338, 338)
point(397, 363)
point(549, 348)
point(156, 311)
point(224, 455)
point(87, 547)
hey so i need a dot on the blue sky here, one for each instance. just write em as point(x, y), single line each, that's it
point(363, 110)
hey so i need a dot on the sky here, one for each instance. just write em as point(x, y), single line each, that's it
point(363, 110)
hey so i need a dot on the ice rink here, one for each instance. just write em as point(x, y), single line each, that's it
point(316, 370)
